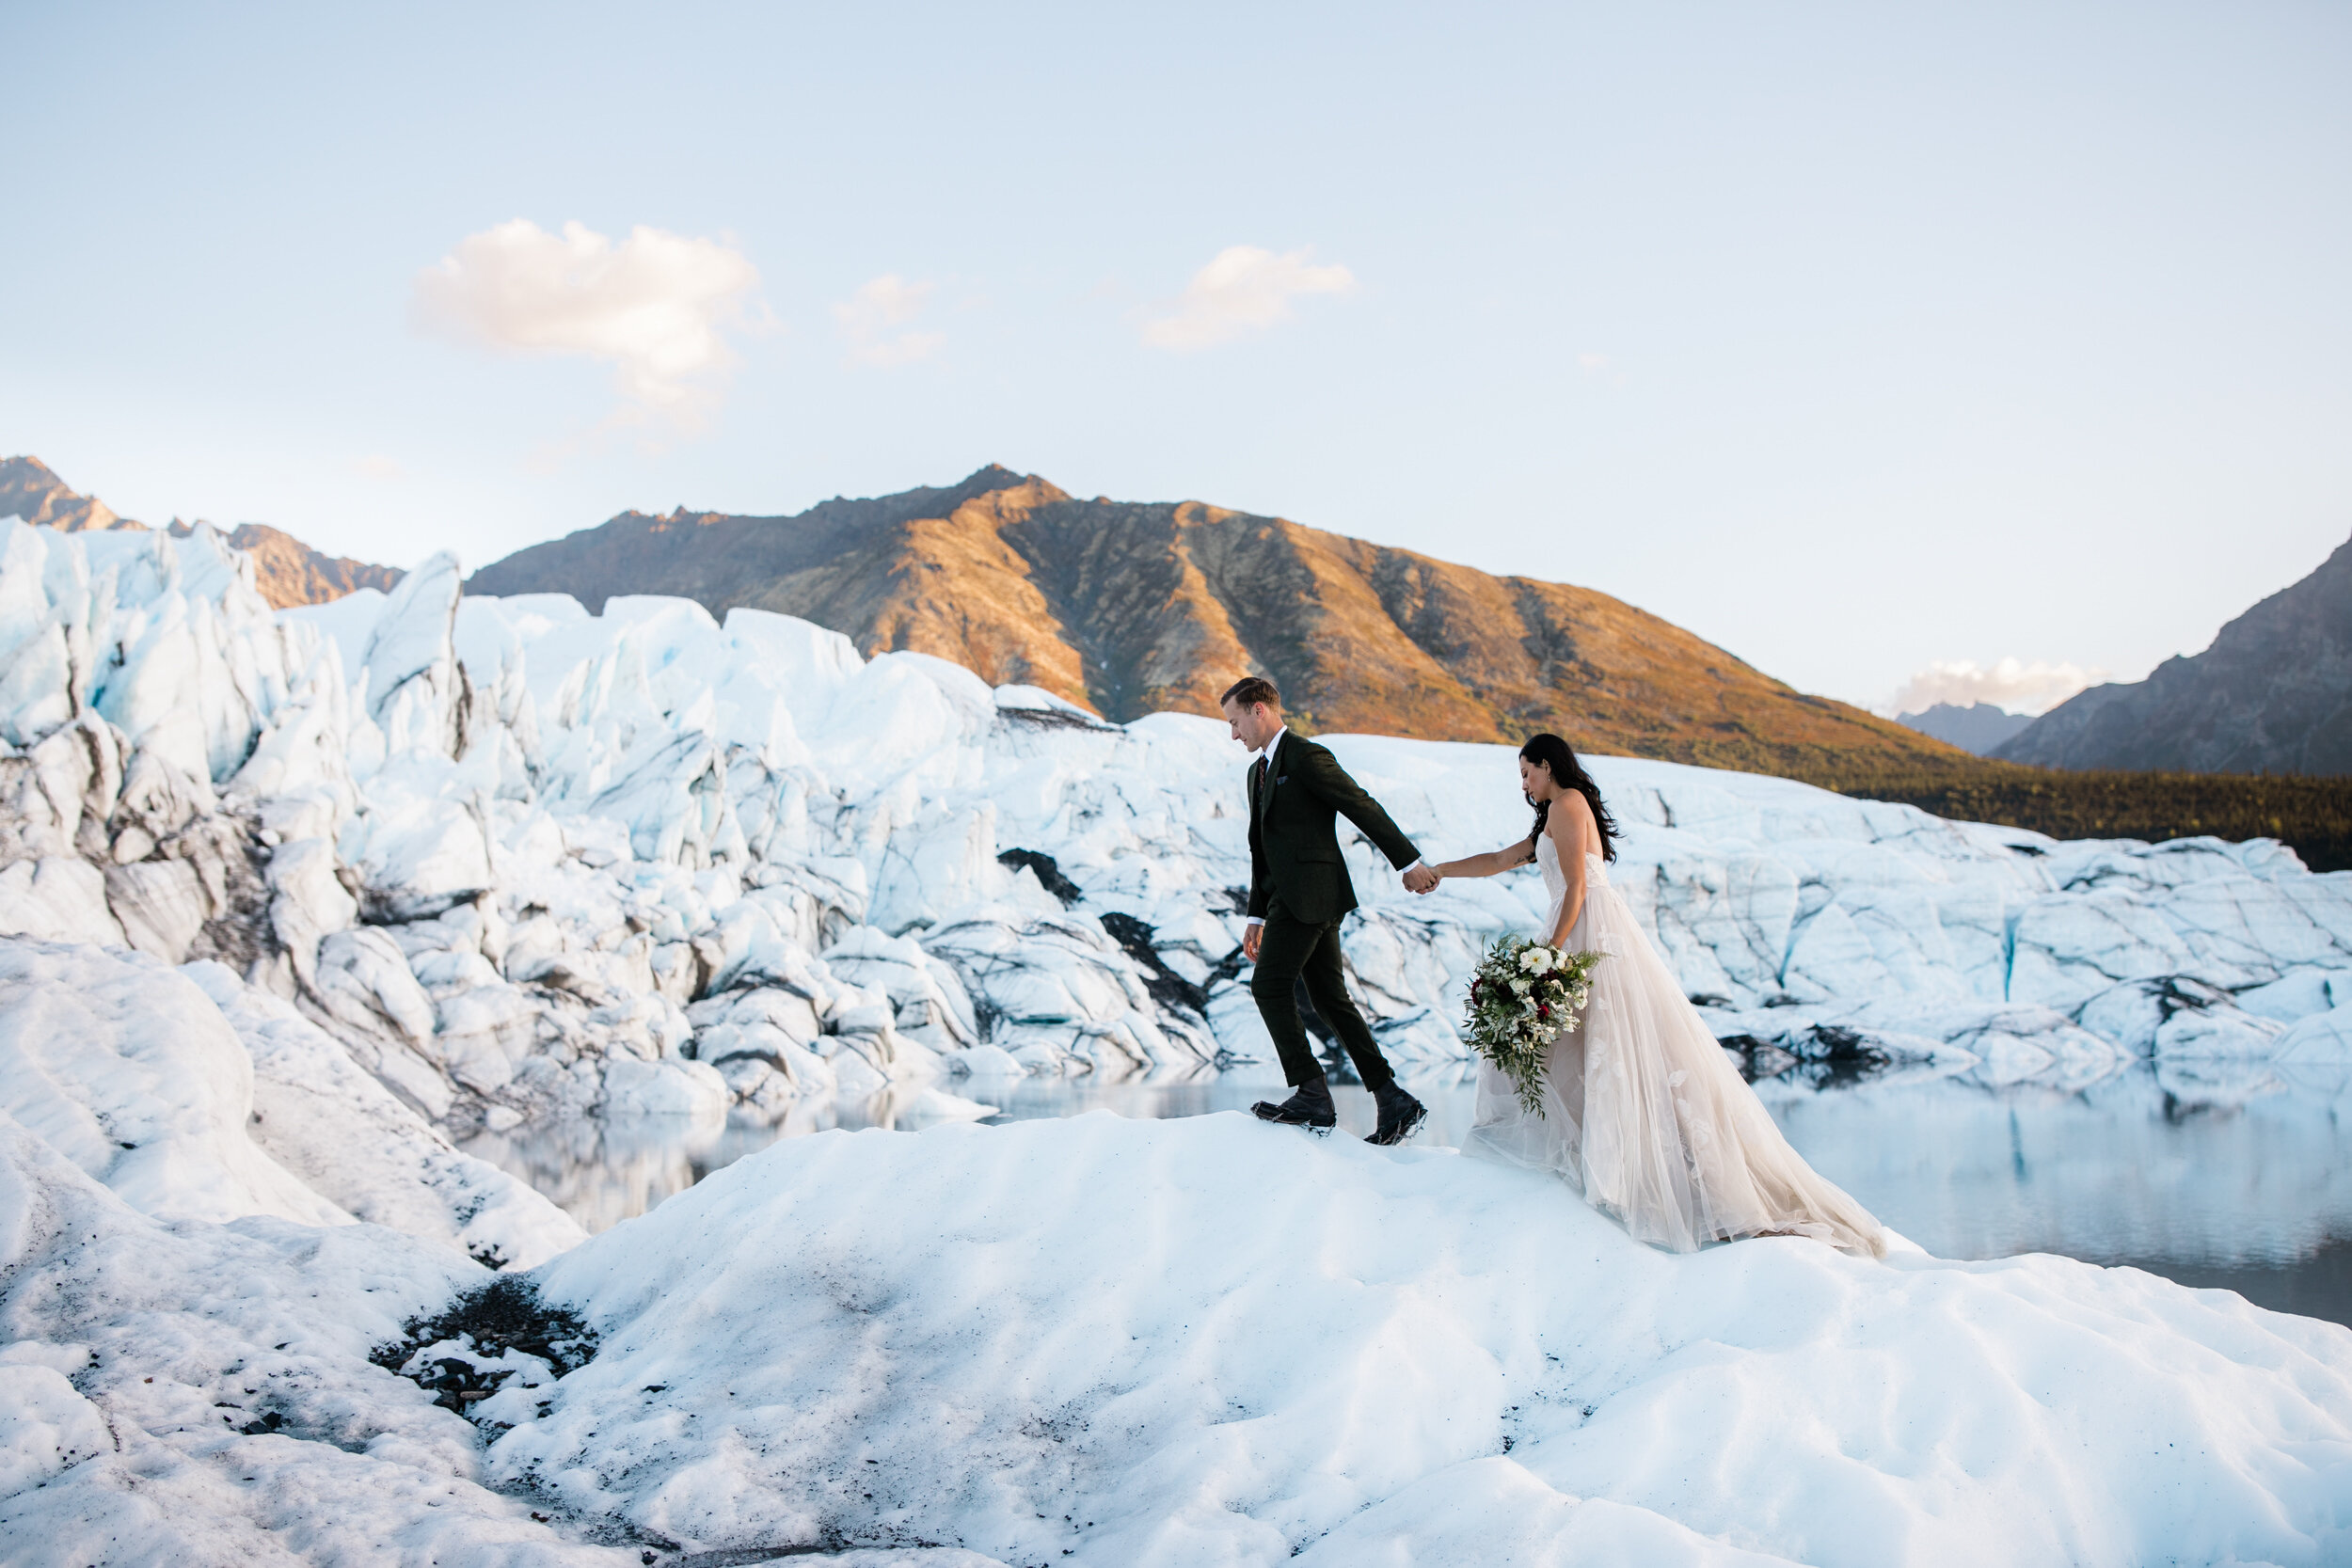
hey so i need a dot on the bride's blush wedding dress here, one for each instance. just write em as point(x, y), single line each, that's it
point(1644, 1112)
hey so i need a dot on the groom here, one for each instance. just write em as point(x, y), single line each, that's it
point(1298, 890)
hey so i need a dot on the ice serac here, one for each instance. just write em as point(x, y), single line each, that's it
point(127, 755)
point(934, 1335)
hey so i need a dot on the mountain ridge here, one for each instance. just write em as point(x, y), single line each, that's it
point(287, 571)
point(2272, 694)
point(1129, 608)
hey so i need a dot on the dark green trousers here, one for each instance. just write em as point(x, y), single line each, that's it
point(1290, 950)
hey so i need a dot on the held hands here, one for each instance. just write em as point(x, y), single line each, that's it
point(1423, 879)
point(1249, 939)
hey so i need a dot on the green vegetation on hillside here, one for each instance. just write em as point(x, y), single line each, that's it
point(2312, 815)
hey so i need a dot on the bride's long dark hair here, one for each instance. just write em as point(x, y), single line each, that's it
point(1556, 754)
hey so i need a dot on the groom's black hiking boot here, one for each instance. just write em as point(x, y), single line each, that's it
point(1311, 1107)
point(1401, 1115)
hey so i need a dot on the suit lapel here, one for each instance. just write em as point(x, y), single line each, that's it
point(1264, 783)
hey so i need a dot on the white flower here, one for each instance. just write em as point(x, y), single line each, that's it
point(1536, 960)
point(1522, 986)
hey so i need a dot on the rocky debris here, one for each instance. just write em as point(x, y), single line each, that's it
point(496, 1338)
point(1822, 1056)
point(1048, 874)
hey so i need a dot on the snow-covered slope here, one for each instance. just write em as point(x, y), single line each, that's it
point(201, 1394)
point(522, 860)
point(1194, 1343)
point(193, 1096)
point(1209, 1342)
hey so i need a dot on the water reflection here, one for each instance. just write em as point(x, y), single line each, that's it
point(2253, 1193)
point(2250, 1190)
point(603, 1171)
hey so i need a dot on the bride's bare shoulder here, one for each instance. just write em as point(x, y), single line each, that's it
point(1570, 822)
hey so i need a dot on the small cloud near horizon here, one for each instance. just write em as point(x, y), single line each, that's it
point(377, 469)
point(2010, 684)
point(868, 320)
point(1242, 290)
point(654, 306)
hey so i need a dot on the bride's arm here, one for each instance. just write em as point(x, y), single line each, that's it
point(1492, 864)
point(1570, 831)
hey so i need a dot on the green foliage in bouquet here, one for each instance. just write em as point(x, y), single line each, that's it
point(1524, 996)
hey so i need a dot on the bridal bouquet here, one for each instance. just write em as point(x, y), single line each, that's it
point(1522, 996)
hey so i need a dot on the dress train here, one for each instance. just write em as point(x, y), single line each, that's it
point(1645, 1113)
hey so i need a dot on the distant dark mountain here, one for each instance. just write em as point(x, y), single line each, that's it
point(2272, 695)
point(288, 571)
point(1132, 607)
point(1978, 727)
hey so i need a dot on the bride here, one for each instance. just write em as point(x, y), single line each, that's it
point(1642, 1112)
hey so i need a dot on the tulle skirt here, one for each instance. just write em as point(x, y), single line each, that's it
point(1646, 1115)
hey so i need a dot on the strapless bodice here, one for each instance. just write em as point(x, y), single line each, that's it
point(1556, 879)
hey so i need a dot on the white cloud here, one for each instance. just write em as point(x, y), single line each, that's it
point(378, 469)
point(2010, 684)
point(654, 306)
point(1593, 361)
point(1243, 290)
point(868, 318)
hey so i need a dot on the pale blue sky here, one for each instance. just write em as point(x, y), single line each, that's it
point(1852, 337)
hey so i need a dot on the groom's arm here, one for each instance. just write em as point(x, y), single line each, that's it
point(1328, 783)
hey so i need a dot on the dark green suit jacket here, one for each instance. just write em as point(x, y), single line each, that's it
point(1293, 837)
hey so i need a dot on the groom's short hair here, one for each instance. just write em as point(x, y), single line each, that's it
point(1249, 691)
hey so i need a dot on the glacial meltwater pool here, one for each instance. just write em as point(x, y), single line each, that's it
point(2249, 1188)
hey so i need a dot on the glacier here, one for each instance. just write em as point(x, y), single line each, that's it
point(531, 863)
point(293, 903)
